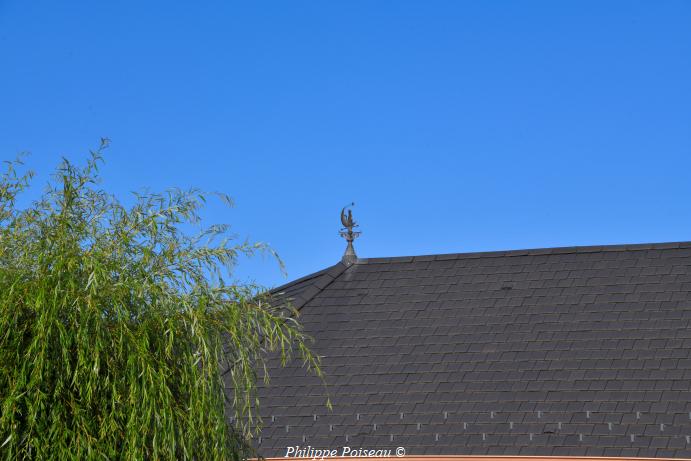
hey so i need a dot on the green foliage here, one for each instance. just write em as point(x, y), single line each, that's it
point(117, 328)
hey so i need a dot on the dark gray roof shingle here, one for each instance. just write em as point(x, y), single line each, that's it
point(562, 351)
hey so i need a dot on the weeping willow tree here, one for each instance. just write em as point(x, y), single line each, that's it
point(119, 326)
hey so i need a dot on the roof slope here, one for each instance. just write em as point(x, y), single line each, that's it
point(563, 351)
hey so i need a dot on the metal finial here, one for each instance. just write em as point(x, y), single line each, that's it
point(349, 257)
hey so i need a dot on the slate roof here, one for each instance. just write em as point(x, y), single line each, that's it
point(564, 351)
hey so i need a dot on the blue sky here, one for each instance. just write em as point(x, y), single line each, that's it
point(455, 126)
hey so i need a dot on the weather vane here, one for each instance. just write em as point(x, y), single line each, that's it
point(349, 257)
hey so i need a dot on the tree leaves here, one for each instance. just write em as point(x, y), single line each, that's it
point(117, 327)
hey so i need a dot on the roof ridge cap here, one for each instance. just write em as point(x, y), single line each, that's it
point(304, 278)
point(323, 279)
point(530, 252)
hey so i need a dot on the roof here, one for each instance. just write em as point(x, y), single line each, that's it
point(582, 351)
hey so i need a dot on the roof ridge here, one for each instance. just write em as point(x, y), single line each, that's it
point(304, 278)
point(322, 279)
point(530, 252)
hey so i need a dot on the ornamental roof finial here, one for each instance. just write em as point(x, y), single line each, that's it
point(349, 257)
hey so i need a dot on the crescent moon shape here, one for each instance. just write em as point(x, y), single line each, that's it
point(343, 217)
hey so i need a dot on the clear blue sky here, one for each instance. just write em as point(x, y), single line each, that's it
point(455, 126)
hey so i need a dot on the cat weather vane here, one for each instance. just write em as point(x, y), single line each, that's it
point(349, 257)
